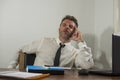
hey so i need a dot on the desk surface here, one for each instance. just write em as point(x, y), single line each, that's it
point(73, 75)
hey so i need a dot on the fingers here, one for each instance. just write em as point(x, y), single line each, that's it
point(80, 39)
point(77, 36)
point(74, 33)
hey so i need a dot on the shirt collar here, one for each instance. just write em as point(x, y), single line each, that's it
point(58, 41)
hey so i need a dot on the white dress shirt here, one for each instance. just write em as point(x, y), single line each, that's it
point(46, 49)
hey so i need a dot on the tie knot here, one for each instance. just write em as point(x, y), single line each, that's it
point(62, 45)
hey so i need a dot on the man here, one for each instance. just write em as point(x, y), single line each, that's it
point(46, 48)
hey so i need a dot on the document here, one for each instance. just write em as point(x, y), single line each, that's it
point(23, 75)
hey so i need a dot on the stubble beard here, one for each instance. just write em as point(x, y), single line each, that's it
point(66, 36)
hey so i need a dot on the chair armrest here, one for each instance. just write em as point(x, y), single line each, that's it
point(21, 61)
point(26, 59)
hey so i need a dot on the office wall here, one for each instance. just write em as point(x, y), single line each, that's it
point(117, 16)
point(103, 32)
point(23, 21)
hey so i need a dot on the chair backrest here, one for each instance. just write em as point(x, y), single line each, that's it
point(29, 59)
point(26, 59)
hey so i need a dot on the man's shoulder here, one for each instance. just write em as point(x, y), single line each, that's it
point(42, 39)
point(49, 39)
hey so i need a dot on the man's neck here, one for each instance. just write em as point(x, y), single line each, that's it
point(64, 40)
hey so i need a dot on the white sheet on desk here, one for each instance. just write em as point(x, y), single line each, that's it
point(20, 74)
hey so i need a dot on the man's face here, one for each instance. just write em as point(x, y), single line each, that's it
point(67, 28)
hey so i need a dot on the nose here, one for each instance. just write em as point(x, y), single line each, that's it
point(67, 26)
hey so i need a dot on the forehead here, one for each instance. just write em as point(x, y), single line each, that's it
point(70, 22)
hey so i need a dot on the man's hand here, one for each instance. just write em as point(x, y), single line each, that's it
point(77, 36)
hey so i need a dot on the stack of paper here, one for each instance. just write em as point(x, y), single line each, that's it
point(22, 75)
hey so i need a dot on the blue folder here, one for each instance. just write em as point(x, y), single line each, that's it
point(44, 70)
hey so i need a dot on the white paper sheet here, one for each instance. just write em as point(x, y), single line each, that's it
point(19, 74)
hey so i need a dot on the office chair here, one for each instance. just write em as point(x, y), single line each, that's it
point(26, 59)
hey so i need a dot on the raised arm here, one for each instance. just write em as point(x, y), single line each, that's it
point(84, 57)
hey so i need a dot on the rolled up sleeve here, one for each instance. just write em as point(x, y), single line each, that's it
point(83, 56)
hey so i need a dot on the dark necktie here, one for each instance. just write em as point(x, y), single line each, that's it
point(57, 56)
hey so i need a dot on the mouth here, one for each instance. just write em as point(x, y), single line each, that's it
point(67, 31)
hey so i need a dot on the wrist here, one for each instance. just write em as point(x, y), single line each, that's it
point(80, 41)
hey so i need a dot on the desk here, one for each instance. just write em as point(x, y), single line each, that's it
point(73, 75)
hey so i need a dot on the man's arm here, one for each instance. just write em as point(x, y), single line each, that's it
point(84, 57)
point(30, 48)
